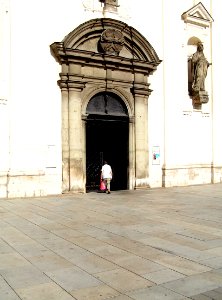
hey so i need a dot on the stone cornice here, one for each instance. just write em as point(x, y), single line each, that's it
point(76, 81)
point(87, 58)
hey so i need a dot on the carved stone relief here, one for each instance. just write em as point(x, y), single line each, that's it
point(111, 41)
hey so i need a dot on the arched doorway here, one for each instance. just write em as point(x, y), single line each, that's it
point(107, 138)
point(105, 55)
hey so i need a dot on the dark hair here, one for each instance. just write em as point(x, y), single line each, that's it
point(105, 162)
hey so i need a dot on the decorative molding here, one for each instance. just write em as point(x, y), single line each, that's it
point(198, 15)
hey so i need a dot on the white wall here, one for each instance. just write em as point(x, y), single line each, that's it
point(216, 82)
point(30, 115)
point(35, 129)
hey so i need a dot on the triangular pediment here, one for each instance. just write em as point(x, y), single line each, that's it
point(198, 15)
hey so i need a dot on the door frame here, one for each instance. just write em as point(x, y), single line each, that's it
point(128, 100)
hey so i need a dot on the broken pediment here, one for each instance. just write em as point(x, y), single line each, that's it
point(112, 37)
point(107, 43)
point(198, 15)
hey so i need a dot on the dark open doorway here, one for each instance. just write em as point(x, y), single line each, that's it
point(107, 139)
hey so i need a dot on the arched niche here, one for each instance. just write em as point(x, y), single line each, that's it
point(191, 48)
point(109, 56)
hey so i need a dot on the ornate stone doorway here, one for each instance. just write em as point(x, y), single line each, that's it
point(104, 56)
point(107, 138)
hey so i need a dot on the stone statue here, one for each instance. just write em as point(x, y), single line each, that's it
point(199, 66)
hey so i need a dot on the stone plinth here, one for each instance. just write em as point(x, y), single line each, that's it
point(200, 98)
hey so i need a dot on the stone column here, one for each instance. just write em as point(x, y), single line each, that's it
point(76, 140)
point(141, 140)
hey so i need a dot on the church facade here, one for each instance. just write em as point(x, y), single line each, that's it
point(134, 83)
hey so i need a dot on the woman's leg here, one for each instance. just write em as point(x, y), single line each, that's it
point(108, 184)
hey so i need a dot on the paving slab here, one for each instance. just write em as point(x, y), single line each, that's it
point(123, 280)
point(196, 284)
point(155, 293)
point(73, 278)
point(24, 277)
point(162, 243)
point(98, 292)
point(6, 291)
point(163, 276)
point(44, 292)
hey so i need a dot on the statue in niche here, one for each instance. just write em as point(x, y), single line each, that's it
point(197, 73)
point(199, 69)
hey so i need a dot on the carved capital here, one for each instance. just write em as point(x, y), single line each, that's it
point(141, 89)
point(75, 85)
point(68, 81)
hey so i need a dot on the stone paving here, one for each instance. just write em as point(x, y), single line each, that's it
point(163, 243)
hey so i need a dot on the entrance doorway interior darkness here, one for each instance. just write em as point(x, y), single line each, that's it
point(107, 131)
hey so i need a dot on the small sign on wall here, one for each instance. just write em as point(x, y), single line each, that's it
point(156, 155)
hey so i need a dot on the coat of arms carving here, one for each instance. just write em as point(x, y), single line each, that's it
point(112, 41)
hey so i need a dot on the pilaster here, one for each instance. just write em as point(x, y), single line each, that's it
point(65, 139)
point(76, 142)
point(141, 139)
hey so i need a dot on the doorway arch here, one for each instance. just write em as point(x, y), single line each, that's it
point(104, 55)
point(107, 139)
